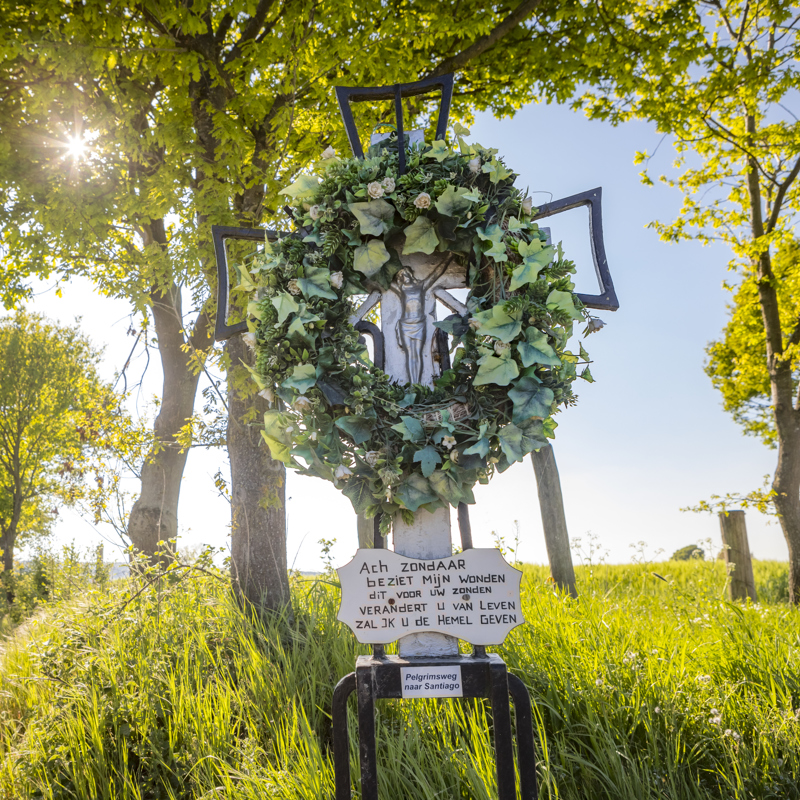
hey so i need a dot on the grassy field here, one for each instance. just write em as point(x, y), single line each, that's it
point(645, 687)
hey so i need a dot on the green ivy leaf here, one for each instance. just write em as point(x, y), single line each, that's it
point(515, 225)
point(275, 425)
point(563, 301)
point(447, 487)
point(408, 400)
point(517, 440)
point(370, 257)
point(428, 458)
point(439, 150)
point(359, 429)
point(455, 325)
point(498, 251)
point(284, 304)
point(480, 448)
point(305, 186)
point(421, 237)
point(415, 491)
point(317, 283)
point(304, 376)
point(510, 438)
point(491, 233)
point(278, 450)
point(587, 376)
point(500, 371)
point(375, 217)
point(536, 349)
point(496, 171)
point(530, 399)
point(410, 428)
point(298, 334)
point(452, 201)
point(496, 322)
point(527, 272)
point(358, 489)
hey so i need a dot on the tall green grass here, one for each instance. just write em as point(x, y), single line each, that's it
point(644, 687)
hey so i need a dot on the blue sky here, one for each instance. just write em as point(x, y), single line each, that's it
point(646, 439)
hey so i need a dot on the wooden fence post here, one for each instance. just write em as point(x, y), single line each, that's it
point(737, 555)
point(554, 522)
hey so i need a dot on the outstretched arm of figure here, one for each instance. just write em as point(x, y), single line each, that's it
point(436, 274)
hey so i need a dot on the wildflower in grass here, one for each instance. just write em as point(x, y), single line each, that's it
point(598, 682)
point(716, 719)
point(703, 678)
point(657, 709)
point(735, 736)
point(629, 657)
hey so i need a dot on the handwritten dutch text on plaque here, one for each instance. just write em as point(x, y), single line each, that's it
point(473, 596)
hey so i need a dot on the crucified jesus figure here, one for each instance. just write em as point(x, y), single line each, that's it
point(411, 328)
point(408, 311)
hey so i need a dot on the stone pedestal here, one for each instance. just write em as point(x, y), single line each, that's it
point(427, 537)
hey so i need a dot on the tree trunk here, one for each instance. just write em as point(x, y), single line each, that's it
point(786, 484)
point(554, 522)
point(7, 541)
point(786, 481)
point(737, 556)
point(258, 510)
point(154, 516)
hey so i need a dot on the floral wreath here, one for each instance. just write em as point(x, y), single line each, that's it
point(399, 448)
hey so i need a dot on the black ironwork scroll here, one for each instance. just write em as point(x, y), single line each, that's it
point(220, 233)
point(348, 94)
point(607, 299)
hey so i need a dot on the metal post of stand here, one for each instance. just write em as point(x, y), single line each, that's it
point(379, 678)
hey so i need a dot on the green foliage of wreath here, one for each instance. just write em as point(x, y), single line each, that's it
point(400, 448)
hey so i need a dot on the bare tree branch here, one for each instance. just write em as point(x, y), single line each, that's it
point(782, 189)
point(251, 29)
point(479, 47)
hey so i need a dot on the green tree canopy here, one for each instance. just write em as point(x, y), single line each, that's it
point(737, 362)
point(58, 423)
point(126, 130)
point(722, 89)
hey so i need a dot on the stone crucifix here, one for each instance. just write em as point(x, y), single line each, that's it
point(408, 311)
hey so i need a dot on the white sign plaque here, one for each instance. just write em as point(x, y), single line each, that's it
point(431, 681)
point(473, 596)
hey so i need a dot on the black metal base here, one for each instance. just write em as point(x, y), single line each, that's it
point(379, 678)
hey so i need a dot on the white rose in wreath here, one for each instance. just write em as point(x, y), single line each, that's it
point(388, 184)
point(337, 280)
point(374, 190)
point(422, 200)
point(342, 473)
point(314, 212)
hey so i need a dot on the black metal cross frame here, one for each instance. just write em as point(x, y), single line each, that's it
point(380, 678)
point(347, 94)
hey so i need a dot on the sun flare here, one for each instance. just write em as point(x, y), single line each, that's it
point(76, 146)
